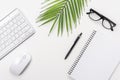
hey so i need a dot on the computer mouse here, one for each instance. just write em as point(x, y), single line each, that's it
point(20, 64)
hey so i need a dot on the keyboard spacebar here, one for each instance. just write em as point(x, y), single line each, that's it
point(16, 43)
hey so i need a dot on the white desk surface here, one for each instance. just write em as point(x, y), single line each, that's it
point(48, 52)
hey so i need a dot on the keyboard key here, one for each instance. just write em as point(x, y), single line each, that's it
point(11, 23)
point(14, 21)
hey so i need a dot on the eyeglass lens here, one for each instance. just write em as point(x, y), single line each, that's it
point(106, 24)
point(94, 16)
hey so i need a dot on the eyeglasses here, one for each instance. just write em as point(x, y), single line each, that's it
point(106, 23)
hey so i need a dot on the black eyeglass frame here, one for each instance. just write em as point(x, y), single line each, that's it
point(112, 24)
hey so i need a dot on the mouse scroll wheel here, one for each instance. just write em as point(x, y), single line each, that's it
point(24, 57)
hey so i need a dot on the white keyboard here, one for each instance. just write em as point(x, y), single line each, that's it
point(14, 29)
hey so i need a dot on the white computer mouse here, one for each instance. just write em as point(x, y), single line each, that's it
point(20, 64)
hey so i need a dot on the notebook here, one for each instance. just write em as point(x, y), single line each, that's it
point(97, 59)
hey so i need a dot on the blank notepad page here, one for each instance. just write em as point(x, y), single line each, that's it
point(99, 59)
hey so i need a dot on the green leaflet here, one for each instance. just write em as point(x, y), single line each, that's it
point(63, 13)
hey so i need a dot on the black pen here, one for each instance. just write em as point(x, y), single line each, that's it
point(73, 45)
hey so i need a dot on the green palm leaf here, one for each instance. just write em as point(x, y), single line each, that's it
point(63, 13)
